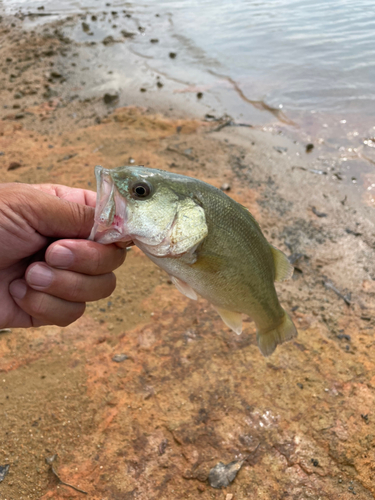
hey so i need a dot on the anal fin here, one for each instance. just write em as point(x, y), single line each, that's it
point(232, 319)
point(283, 268)
point(184, 288)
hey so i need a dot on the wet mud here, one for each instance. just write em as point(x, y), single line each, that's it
point(149, 391)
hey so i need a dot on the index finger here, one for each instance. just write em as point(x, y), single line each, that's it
point(84, 256)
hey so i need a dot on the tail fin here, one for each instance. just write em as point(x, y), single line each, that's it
point(269, 340)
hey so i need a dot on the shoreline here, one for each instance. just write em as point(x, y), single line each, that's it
point(124, 61)
point(188, 382)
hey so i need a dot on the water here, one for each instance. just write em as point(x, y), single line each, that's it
point(309, 65)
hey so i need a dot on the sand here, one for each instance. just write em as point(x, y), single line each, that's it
point(189, 393)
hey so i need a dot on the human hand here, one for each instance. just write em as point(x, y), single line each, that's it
point(44, 281)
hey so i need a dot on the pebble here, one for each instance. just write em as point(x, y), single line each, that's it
point(108, 40)
point(225, 187)
point(222, 475)
point(14, 165)
point(85, 27)
point(127, 34)
point(172, 55)
point(119, 358)
point(110, 98)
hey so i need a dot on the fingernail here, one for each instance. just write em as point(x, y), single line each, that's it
point(60, 257)
point(18, 289)
point(39, 276)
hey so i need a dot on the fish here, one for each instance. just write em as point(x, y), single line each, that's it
point(210, 245)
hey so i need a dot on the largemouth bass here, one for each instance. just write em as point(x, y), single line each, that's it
point(209, 244)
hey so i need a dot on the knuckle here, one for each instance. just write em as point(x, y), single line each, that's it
point(39, 305)
point(76, 288)
point(96, 260)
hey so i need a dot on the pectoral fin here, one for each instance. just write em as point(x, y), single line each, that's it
point(232, 319)
point(283, 268)
point(184, 288)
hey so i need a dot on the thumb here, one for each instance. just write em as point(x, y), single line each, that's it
point(49, 215)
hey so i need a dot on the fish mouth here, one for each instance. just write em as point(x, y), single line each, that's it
point(110, 212)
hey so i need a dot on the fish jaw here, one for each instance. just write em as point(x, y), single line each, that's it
point(110, 212)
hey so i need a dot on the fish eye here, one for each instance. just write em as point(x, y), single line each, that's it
point(141, 190)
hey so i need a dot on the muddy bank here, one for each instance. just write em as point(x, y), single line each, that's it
point(149, 391)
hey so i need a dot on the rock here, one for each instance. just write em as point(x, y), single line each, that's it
point(154, 40)
point(159, 85)
point(4, 469)
point(142, 89)
point(110, 98)
point(309, 147)
point(127, 34)
point(163, 446)
point(172, 55)
point(317, 213)
point(280, 149)
point(199, 95)
point(18, 95)
point(85, 27)
point(222, 475)
point(225, 187)
point(49, 53)
point(94, 18)
point(119, 358)
point(109, 40)
point(14, 165)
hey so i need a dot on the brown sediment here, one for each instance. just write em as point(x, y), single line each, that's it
point(191, 393)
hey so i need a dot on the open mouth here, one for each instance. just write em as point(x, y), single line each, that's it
point(110, 212)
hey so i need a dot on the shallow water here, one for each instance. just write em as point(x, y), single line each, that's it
point(309, 65)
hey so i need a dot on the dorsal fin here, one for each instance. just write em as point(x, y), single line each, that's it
point(283, 268)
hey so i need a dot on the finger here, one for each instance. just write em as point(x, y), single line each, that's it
point(45, 309)
point(85, 257)
point(68, 285)
point(49, 215)
point(76, 195)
